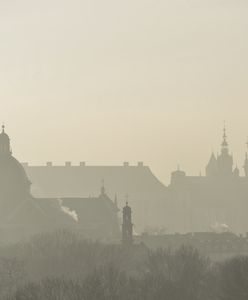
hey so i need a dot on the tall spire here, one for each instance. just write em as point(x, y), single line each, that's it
point(224, 145)
point(246, 160)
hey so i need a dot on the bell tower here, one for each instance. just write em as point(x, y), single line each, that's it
point(127, 226)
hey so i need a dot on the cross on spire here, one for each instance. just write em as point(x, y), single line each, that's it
point(127, 198)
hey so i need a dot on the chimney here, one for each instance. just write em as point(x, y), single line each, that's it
point(126, 164)
point(82, 164)
point(68, 164)
point(140, 164)
point(49, 164)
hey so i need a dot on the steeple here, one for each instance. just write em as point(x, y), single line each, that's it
point(246, 161)
point(224, 145)
point(224, 160)
point(4, 143)
point(127, 225)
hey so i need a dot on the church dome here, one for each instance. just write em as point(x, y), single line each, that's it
point(14, 182)
point(3, 135)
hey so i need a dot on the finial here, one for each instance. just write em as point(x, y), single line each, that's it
point(3, 128)
point(224, 130)
point(127, 196)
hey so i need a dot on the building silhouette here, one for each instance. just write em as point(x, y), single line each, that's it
point(22, 214)
point(218, 199)
point(127, 225)
point(81, 180)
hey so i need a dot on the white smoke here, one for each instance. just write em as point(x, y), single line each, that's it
point(67, 211)
point(220, 227)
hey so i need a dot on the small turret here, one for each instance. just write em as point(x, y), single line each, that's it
point(178, 176)
point(236, 172)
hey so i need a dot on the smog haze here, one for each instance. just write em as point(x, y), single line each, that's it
point(113, 81)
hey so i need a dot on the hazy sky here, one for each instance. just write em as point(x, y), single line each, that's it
point(112, 81)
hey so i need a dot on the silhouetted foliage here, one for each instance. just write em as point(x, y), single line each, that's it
point(64, 266)
point(233, 279)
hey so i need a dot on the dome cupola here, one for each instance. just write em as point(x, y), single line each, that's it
point(4, 143)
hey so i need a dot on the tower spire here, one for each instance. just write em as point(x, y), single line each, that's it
point(127, 225)
point(224, 145)
point(246, 160)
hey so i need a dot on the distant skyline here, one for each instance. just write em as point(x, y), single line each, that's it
point(112, 81)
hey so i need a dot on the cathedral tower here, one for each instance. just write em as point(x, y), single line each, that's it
point(225, 160)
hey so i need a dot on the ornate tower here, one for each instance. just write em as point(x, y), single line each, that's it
point(4, 143)
point(127, 226)
point(225, 160)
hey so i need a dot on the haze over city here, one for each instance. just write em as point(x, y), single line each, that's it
point(113, 81)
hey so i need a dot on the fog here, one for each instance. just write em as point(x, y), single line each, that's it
point(139, 80)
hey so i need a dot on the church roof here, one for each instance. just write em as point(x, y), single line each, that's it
point(3, 134)
point(145, 190)
point(212, 159)
point(83, 181)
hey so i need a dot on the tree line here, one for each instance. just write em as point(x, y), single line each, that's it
point(64, 266)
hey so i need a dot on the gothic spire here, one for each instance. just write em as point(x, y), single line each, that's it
point(224, 145)
point(246, 161)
